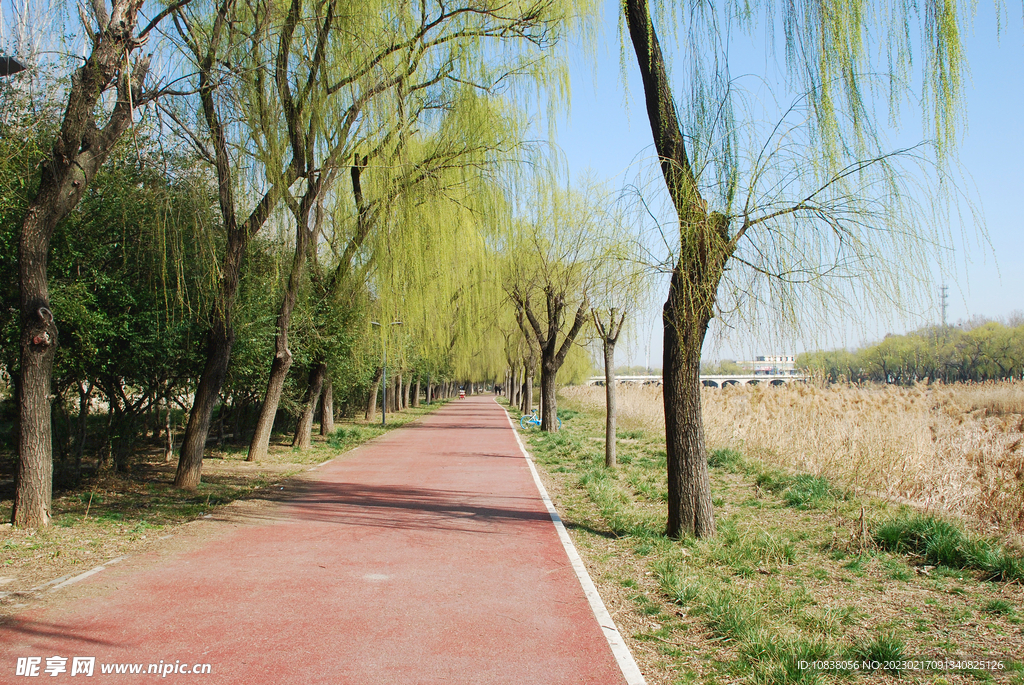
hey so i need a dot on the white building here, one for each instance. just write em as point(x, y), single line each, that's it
point(774, 365)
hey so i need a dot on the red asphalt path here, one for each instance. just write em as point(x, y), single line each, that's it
point(426, 556)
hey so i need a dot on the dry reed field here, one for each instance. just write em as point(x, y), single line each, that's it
point(954, 448)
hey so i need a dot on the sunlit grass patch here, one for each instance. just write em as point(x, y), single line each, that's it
point(941, 542)
point(802, 491)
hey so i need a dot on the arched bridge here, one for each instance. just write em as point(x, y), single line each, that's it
point(751, 379)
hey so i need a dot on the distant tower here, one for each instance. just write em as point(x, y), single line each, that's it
point(945, 302)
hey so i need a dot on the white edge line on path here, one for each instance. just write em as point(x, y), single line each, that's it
point(83, 576)
point(619, 649)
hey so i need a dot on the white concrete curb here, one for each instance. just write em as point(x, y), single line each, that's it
point(622, 654)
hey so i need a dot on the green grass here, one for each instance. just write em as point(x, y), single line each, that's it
point(885, 648)
point(943, 543)
point(999, 607)
point(801, 491)
point(727, 459)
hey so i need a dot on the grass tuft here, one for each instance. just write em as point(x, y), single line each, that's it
point(727, 459)
point(886, 647)
point(802, 491)
point(943, 543)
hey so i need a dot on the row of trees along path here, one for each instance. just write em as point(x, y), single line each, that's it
point(381, 142)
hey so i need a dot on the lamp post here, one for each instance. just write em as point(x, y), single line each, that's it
point(384, 369)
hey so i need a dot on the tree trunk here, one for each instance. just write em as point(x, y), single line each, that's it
point(528, 393)
point(552, 354)
point(220, 339)
point(408, 390)
point(168, 432)
point(260, 442)
point(282, 354)
point(221, 336)
point(416, 393)
point(705, 247)
point(371, 401)
point(84, 397)
point(689, 487)
point(38, 348)
point(80, 149)
point(221, 410)
point(327, 407)
point(304, 432)
point(548, 400)
point(609, 397)
point(609, 336)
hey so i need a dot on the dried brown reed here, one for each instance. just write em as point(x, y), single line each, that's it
point(956, 448)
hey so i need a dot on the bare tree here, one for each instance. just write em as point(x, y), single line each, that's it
point(609, 334)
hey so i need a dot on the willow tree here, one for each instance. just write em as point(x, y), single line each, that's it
point(409, 195)
point(437, 275)
point(234, 108)
point(769, 209)
point(371, 72)
point(559, 241)
point(620, 289)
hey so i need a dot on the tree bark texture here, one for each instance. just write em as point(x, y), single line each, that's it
point(371, 400)
point(548, 399)
point(260, 442)
point(78, 152)
point(193, 442)
point(416, 393)
point(689, 487)
point(609, 336)
point(514, 387)
point(609, 400)
point(327, 407)
point(527, 405)
point(304, 431)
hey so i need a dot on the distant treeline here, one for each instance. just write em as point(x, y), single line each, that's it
point(977, 350)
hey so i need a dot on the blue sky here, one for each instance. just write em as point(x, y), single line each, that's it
point(606, 130)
